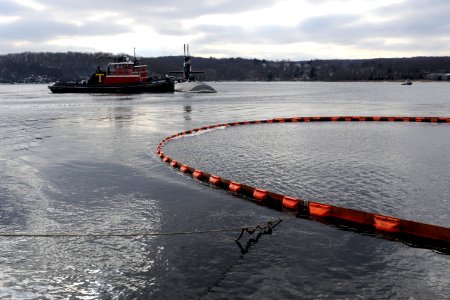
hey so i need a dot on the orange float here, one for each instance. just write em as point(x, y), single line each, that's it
point(235, 186)
point(387, 224)
point(215, 180)
point(319, 210)
point(260, 194)
point(197, 174)
point(184, 168)
point(290, 202)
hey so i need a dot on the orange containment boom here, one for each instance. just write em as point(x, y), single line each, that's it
point(318, 211)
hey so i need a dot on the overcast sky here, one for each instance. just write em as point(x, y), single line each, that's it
point(270, 29)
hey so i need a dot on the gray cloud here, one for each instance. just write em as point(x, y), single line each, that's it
point(9, 8)
point(418, 18)
point(332, 28)
point(145, 10)
point(240, 34)
point(36, 29)
point(163, 17)
point(424, 19)
point(424, 23)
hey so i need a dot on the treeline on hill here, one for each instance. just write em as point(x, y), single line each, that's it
point(47, 67)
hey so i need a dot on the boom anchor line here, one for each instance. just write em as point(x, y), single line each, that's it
point(385, 226)
point(261, 229)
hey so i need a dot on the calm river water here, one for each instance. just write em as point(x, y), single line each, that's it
point(87, 164)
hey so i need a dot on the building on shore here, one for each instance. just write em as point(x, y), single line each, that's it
point(438, 76)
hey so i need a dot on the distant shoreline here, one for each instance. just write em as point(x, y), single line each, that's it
point(31, 67)
point(274, 81)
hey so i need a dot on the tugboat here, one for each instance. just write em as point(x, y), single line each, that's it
point(188, 83)
point(122, 76)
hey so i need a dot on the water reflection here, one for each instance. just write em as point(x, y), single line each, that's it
point(439, 246)
point(187, 112)
point(122, 113)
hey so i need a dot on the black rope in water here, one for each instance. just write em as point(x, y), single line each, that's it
point(264, 229)
point(267, 228)
point(249, 229)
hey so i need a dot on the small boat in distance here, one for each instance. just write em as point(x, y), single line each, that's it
point(189, 83)
point(122, 76)
point(407, 82)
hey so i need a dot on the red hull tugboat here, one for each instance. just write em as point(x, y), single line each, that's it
point(121, 76)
